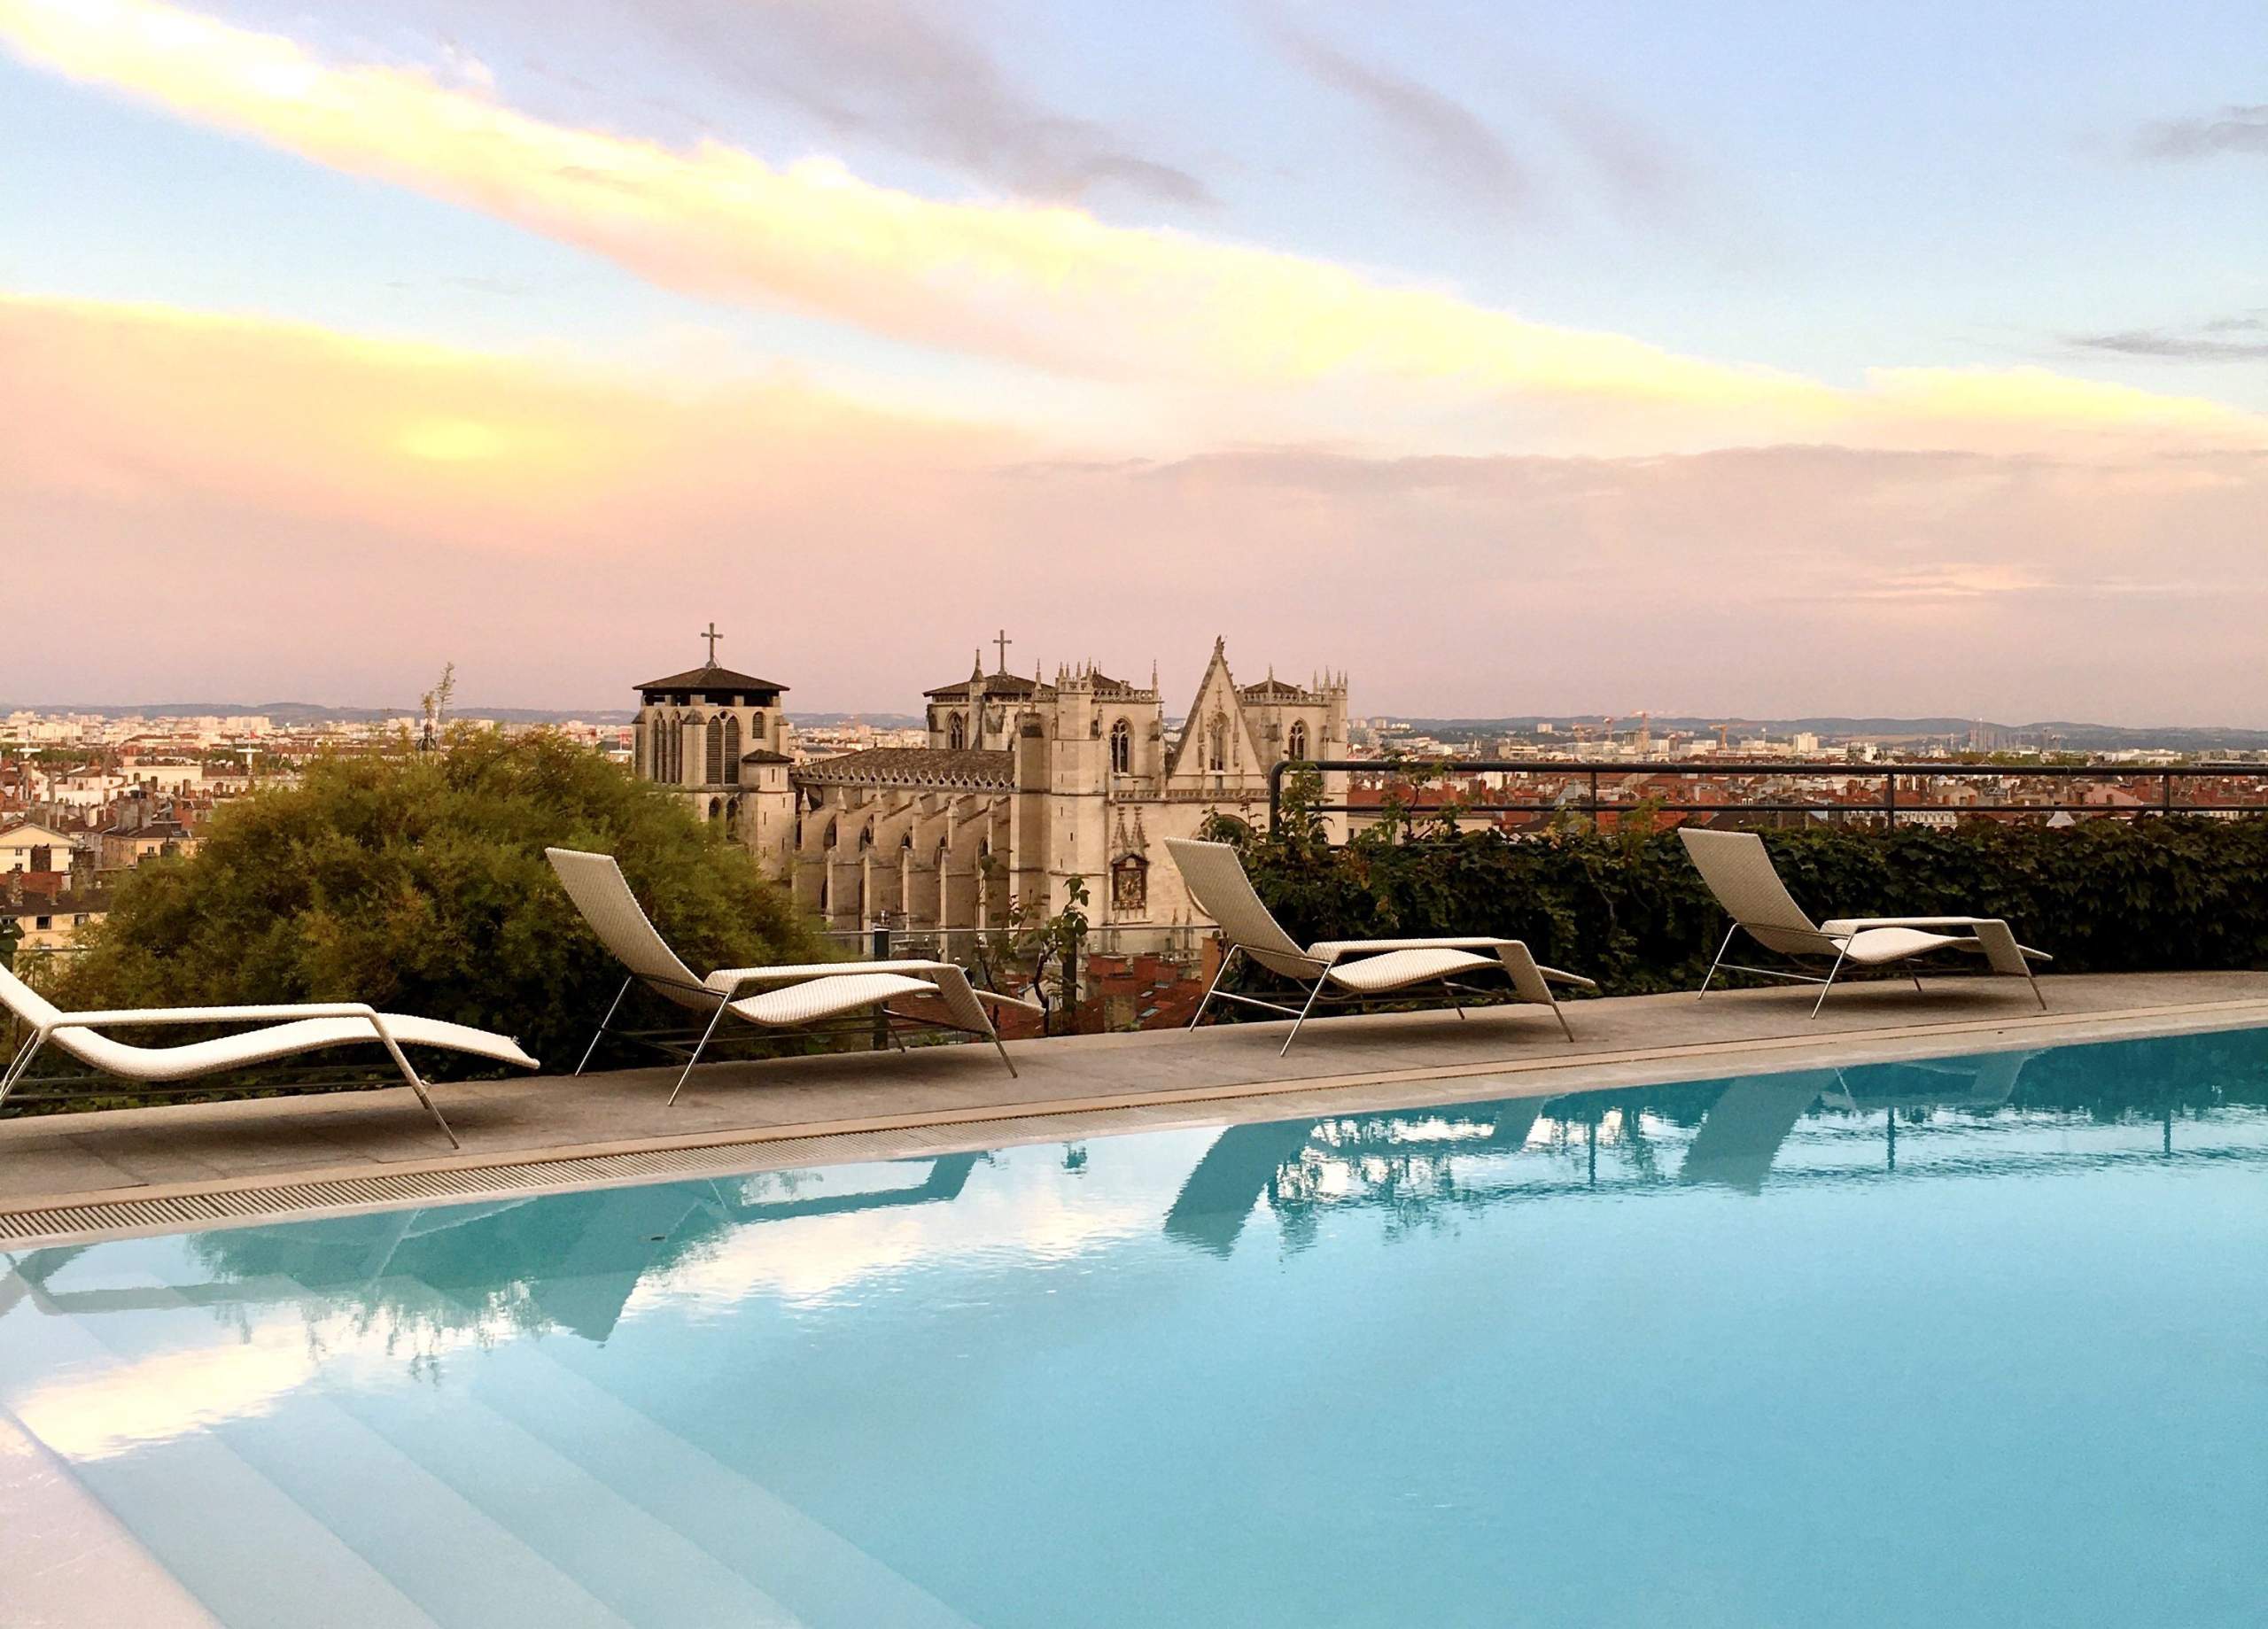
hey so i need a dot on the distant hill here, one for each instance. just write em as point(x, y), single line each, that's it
point(880, 721)
point(317, 712)
point(2070, 735)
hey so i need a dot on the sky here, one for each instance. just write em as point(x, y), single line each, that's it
point(1750, 358)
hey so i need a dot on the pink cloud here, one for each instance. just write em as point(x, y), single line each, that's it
point(276, 511)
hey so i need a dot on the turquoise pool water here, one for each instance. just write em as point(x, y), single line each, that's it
point(1982, 1341)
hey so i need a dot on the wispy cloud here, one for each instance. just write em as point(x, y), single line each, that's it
point(1963, 579)
point(2224, 339)
point(1639, 169)
point(1195, 331)
point(2233, 129)
point(909, 75)
point(1446, 140)
point(1452, 146)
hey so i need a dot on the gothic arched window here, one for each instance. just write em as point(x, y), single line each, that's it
point(1121, 747)
point(957, 732)
point(715, 764)
point(1298, 747)
point(640, 763)
point(1217, 759)
point(732, 776)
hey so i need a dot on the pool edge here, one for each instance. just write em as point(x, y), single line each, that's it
point(151, 1209)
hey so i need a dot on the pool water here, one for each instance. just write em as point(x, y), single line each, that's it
point(1980, 1340)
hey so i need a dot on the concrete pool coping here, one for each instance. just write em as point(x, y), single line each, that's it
point(113, 1173)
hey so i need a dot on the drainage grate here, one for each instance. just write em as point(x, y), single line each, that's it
point(191, 1210)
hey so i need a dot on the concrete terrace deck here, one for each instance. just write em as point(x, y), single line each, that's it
point(804, 1111)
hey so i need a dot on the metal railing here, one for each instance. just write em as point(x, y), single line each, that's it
point(1590, 773)
point(883, 941)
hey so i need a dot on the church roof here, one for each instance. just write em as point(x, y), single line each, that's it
point(914, 766)
point(712, 680)
point(765, 755)
point(995, 684)
point(1274, 689)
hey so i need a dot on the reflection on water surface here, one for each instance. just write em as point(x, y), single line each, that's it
point(1407, 1335)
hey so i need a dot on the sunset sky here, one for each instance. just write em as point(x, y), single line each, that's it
point(1746, 358)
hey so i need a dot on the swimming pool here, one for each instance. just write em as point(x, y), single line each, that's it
point(1980, 1340)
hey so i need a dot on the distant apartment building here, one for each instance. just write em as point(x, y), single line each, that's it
point(33, 846)
point(141, 828)
point(48, 916)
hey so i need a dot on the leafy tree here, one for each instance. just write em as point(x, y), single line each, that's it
point(1052, 944)
point(415, 880)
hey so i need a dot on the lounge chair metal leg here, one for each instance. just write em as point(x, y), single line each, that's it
point(611, 1008)
point(1560, 1014)
point(2037, 995)
point(21, 1063)
point(1314, 995)
point(1197, 1017)
point(1829, 984)
point(715, 1018)
point(992, 1034)
point(418, 1086)
point(1722, 949)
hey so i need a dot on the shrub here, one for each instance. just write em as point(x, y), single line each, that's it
point(416, 882)
point(1628, 908)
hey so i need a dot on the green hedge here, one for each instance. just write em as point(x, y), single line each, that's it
point(2109, 896)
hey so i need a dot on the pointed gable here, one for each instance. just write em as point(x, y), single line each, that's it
point(1218, 700)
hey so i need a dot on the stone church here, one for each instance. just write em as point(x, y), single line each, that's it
point(1023, 785)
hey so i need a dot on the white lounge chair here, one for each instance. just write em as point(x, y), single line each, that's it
point(1345, 969)
point(1738, 869)
point(300, 1027)
point(790, 998)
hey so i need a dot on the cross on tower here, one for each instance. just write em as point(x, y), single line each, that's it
point(713, 636)
point(1002, 639)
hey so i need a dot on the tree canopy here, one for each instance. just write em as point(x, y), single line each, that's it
point(416, 882)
